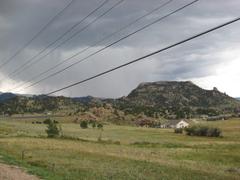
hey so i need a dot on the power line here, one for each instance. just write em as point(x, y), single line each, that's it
point(75, 34)
point(95, 44)
point(59, 38)
point(148, 55)
point(119, 40)
point(36, 35)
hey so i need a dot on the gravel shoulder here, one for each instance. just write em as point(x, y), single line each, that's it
point(8, 172)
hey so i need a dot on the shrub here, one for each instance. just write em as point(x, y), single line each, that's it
point(178, 130)
point(56, 122)
point(93, 124)
point(84, 124)
point(47, 121)
point(190, 130)
point(203, 131)
point(52, 129)
point(214, 132)
point(100, 126)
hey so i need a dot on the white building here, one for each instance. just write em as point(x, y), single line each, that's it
point(176, 124)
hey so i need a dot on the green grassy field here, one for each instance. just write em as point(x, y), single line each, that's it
point(125, 152)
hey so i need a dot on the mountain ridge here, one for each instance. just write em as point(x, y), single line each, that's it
point(164, 98)
point(177, 97)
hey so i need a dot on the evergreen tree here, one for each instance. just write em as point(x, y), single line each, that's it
point(52, 129)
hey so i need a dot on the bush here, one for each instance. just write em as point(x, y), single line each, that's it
point(190, 130)
point(214, 132)
point(178, 130)
point(47, 121)
point(56, 122)
point(100, 126)
point(93, 124)
point(52, 129)
point(84, 124)
point(203, 131)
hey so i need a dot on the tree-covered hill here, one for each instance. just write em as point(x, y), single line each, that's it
point(156, 99)
point(36, 104)
point(177, 98)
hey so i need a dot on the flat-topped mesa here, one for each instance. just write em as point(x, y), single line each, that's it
point(166, 83)
point(164, 87)
point(178, 94)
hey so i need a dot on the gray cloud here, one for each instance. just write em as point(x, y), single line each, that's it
point(202, 58)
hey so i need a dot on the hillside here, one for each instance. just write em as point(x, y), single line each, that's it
point(16, 104)
point(177, 98)
point(5, 96)
point(178, 94)
point(170, 99)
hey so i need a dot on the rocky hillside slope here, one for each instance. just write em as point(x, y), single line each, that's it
point(172, 97)
point(164, 98)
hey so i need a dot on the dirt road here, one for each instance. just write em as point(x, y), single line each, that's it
point(8, 172)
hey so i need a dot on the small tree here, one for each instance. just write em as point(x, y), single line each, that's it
point(84, 124)
point(100, 127)
point(93, 124)
point(52, 130)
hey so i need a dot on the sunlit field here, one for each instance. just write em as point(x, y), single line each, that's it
point(124, 153)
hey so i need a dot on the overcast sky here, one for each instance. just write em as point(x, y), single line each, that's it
point(209, 61)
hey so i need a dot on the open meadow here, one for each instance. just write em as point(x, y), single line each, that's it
point(123, 153)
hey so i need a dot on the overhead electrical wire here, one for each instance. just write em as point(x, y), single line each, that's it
point(94, 44)
point(11, 58)
point(55, 41)
point(72, 36)
point(115, 42)
point(148, 55)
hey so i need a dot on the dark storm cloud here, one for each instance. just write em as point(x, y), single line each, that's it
point(20, 20)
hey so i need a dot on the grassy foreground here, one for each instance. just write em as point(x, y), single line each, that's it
point(124, 153)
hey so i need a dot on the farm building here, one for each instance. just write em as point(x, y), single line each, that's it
point(176, 124)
